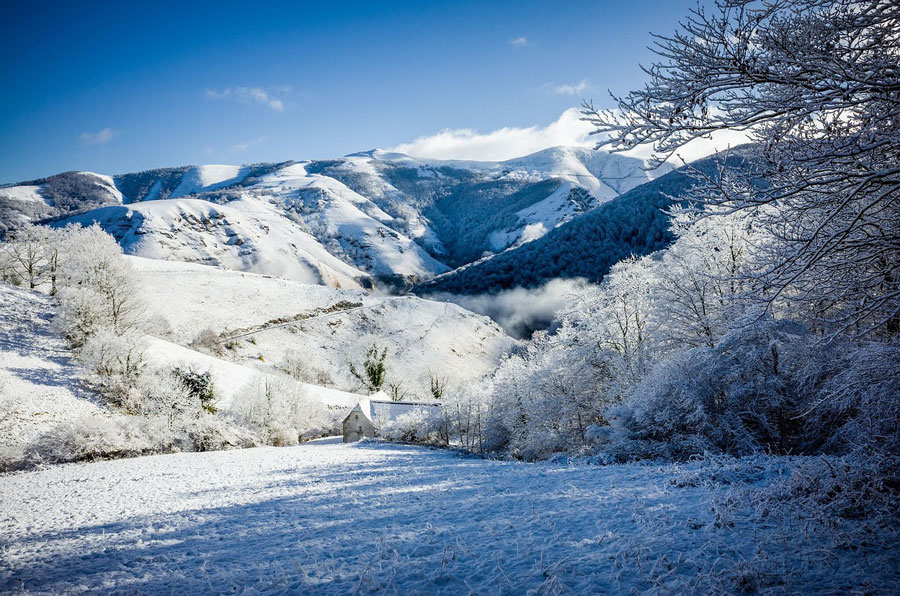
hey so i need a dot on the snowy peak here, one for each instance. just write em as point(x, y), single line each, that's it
point(371, 217)
point(604, 175)
point(206, 178)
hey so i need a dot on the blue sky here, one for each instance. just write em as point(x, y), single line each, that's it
point(119, 87)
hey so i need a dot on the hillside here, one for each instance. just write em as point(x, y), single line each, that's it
point(372, 218)
point(635, 223)
point(284, 324)
point(42, 385)
point(39, 379)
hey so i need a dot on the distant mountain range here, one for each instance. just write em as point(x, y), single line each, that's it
point(375, 218)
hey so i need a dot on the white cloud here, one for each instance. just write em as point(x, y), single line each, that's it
point(518, 42)
point(577, 89)
point(238, 147)
point(510, 142)
point(501, 144)
point(250, 95)
point(95, 138)
point(698, 148)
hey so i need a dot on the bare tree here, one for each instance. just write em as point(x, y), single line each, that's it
point(816, 84)
point(26, 254)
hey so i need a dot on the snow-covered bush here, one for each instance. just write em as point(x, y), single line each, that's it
point(97, 287)
point(101, 437)
point(199, 386)
point(208, 341)
point(12, 457)
point(421, 425)
point(115, 367)
point(857, 395)
point(118, 371)
point(280, 412)
point(209, 432)
point(738, 397)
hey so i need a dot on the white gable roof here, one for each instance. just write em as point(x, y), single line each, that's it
point(379, 408)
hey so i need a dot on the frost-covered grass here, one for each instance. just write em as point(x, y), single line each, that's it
point(328, 518)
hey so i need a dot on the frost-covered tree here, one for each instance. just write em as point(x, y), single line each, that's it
point(463, 411)
point(698, 283)
point(816, 84)
point(279, 411)
point(98, 287)
point(27, 256)
point(618, 315)
point(545, 397)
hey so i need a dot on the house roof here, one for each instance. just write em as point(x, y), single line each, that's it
point(379, 408)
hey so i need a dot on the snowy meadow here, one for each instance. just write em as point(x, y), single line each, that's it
point(656, 365)
point(328, 518)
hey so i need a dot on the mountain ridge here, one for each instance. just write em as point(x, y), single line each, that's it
point(371, 218)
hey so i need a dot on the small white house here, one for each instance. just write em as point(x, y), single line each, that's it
point(372, 411)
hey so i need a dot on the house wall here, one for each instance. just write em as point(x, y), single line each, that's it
point(357, 426)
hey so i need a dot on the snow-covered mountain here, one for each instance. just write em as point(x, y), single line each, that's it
point(372, 218)
point(635, 223)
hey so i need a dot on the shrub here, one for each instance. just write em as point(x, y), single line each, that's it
point(739, 397)
point(208, 341)
point(213, 433)
point(421, 425)
point(101, 437)
point(303, 370)
point(280, 412)
point(199, 386)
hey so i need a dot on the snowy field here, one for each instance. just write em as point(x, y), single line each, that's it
point(327, 518)
point(38, 377)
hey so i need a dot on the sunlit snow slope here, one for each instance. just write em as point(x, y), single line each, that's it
point(368, 219)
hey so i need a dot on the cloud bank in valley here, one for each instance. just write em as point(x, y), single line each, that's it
point(521, 311)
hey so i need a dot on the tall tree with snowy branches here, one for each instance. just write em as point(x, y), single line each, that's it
point(816, 85)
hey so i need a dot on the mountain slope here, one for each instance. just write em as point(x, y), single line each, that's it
point(460, 210)
point(635, 223)
point(247, 235)
point(270, 322)
point(368, 218)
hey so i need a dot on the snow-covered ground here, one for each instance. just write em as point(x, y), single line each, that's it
point(39, 381)
point(189, 297)
point(327, 518)
point(423, 337)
